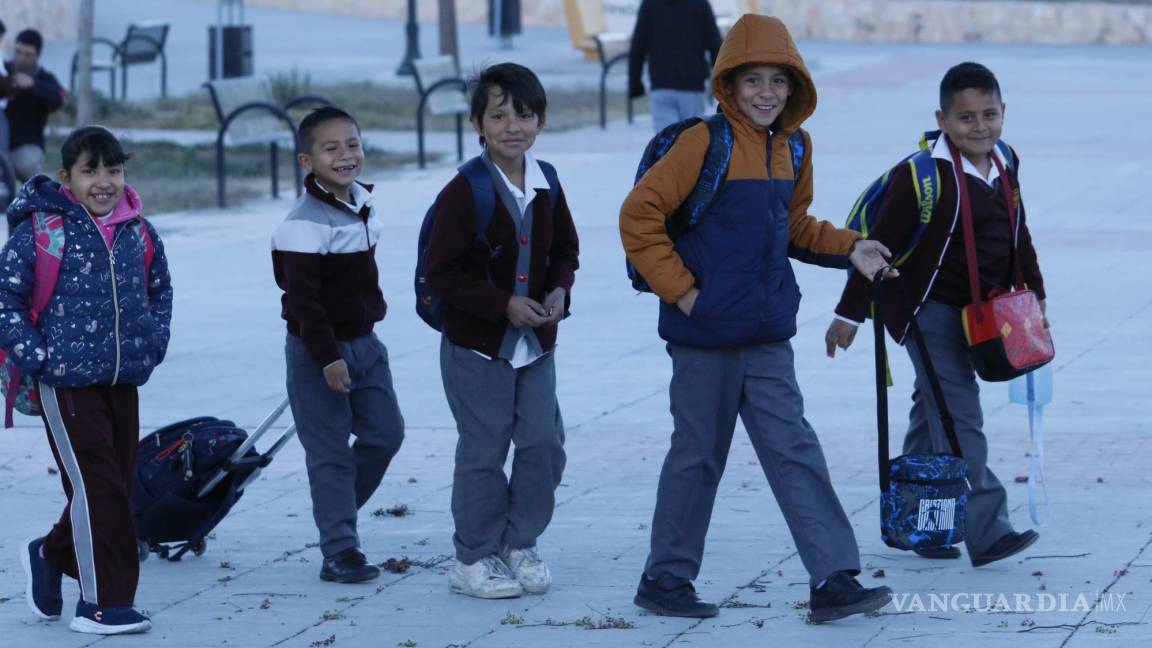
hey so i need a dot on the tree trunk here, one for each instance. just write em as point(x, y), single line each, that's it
point(449, 44)
point(85, 108)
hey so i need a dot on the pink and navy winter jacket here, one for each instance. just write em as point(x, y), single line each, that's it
point(107, 323)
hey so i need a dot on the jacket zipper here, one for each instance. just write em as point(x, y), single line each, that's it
point(115, 296)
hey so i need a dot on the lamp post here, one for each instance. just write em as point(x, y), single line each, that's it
point(412, 36)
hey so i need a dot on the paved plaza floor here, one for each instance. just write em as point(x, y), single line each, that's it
point(1078, 117)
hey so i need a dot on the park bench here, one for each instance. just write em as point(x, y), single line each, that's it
point(142, 44)
point(442, 92)
point(250, 114)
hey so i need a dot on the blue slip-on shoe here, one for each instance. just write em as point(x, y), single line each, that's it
point(94, 619)
point(43, 590)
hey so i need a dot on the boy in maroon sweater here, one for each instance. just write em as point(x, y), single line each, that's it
point(339, 382)
point(503, 295)
point(933, 288)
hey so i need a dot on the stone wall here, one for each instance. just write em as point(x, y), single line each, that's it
point(533, 12)
point(53, 18)
point(958, 21)
point(1034, 21)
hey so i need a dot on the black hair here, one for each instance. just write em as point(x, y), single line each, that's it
point(516, 82)
point(312, 121)
point(33, 38)
point(963, 77)
point(100, 145)
point(3, 28)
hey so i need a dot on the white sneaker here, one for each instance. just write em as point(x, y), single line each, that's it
point(487, 578)
point(529, 569)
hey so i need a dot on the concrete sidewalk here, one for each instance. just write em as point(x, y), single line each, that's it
point(1078, 116)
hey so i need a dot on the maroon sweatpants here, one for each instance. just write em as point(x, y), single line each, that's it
point(94, 432)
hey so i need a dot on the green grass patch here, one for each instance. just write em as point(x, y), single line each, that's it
point(374, 106)
point(172, 177)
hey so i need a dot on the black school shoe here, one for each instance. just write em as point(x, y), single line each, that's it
point(681, 601)
point(842, 595)
point(949, 552)
point(1009, 545)
point(348, 566)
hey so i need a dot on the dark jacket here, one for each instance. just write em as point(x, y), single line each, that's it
point(738, 256)
point(475, 285)
point(107, 323)
point(324, 259)
point(673, 36)
point(937, 269)
point(28, 108)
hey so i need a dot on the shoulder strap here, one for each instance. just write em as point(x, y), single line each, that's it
point(149, 246)
point(483, 195)
point(48, 233)
point(796, 144)
point(553, 183)
point(882, 387)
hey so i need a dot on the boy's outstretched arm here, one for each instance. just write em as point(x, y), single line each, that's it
point(811, 240)
point(645, 211)
point(160, 294)
point(19, 337)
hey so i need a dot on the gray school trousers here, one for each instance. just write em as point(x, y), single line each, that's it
point(709, 388)
point(343, 477)
point(987, 509)
point(671, 106)
point(495, 406)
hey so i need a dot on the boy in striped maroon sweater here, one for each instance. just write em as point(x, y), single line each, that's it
point(339, 383)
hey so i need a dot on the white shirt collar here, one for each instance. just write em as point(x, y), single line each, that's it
point(534, 179)
point(360, 195)
point(940, 152)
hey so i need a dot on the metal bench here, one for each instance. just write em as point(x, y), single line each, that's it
point(249, 114)
point(611, 48)
point(442, 92)
point(142, 44)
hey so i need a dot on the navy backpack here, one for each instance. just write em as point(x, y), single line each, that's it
point(483, 208)
point(713, 172)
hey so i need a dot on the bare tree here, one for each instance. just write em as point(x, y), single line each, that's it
point(449, 44)
point(85, 107)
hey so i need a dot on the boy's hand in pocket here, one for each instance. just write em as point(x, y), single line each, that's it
point(336, 375)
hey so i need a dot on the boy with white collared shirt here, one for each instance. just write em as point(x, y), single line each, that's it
point(933, 288)
point(503, 292)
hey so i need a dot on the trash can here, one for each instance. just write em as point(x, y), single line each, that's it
point(237, 46)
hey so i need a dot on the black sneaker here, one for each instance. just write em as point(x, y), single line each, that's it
point(1010, 545)
point(842, 595)
point(949, 552)
point(680, 601)
point(348, 566)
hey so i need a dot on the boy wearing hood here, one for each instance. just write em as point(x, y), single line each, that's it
point(728, 304)
point(102, 332)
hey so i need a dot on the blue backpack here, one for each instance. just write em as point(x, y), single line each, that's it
point(713, 172)
point(927, 185)
point(479, 178)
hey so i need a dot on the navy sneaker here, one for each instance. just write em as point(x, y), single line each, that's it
point(43, 591)
point(94, 619)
